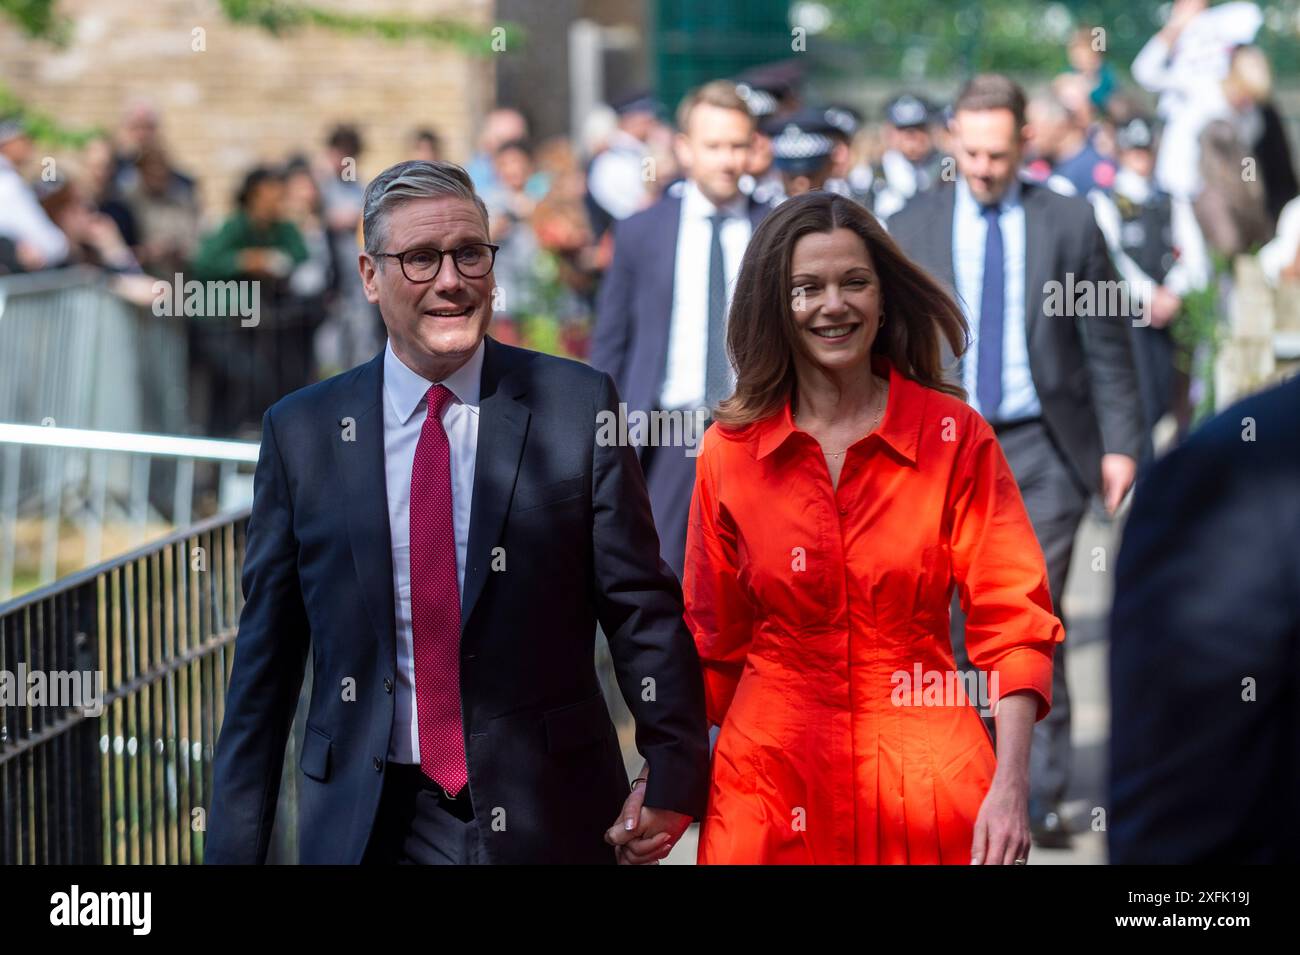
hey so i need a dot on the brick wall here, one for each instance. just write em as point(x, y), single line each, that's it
point(252, 96)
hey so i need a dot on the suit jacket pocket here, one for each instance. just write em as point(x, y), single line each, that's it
point(316, 748)
point(571, 727)
point(529, 496)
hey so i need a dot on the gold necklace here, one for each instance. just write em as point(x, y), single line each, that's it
point(874, 424)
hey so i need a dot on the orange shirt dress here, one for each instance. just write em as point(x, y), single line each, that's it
point(816, 609)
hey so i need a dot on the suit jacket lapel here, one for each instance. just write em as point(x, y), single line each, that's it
point(502, 426)
point(946, 202)
point(360, 464)
point(1036, 258)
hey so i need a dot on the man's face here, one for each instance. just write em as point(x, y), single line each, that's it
point(715, 150)
point(18, 150)
point(914, 142)
point(1139, 161)
point(513, 167)
point(434, 326)
point(988, 147)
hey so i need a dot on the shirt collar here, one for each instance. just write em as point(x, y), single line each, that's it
point(1010, 199)
point(696, 206)
point(900, 428)
point(405, 389)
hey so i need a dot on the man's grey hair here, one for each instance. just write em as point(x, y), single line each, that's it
point(405, 181)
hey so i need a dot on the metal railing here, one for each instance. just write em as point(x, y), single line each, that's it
point(75, 354)
point(127, 784)
point(71, 482)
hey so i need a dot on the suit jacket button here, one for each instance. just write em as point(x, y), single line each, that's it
point(388, 685)
point(379, 765)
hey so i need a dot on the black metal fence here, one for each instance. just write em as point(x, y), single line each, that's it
point(126, 785)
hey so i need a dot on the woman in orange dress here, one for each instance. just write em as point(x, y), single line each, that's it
point(843, 493)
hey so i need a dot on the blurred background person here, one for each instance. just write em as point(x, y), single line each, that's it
point(1059, 146)
point(93, 238)
point(1060, 399)
point(1185, 63)
point(353, 330)
point(510, 211)
point(166, 215)
point(140, 130)
point(802, 148)
point(662, 309)
point(239, 370)
point(1137, 220)
point(501, 125)
point(426, 145)
point(911, 162)
point(313, 281)
point(1232, 207)
point(1086, 52)
point(618, 176)
point(762, 180)
point(37, 242)
point(97, 167)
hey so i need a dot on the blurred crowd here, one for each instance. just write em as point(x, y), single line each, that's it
point(1188, 168)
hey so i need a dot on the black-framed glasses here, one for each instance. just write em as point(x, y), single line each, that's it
point(472, 261)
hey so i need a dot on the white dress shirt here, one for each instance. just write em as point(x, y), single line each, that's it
point(969, 231)
point(405, 410)
point(23, 220)
point(688, 336)
point(616, 180)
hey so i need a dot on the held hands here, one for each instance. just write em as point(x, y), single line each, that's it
point(643, 835)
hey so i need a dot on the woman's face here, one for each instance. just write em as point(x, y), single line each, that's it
point(835, 297)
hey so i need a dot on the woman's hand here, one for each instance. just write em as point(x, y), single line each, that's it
point(1002, 826)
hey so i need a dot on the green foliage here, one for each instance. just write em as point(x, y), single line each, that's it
point(45, 130)
point(957, 37)
point(37, 18)
point(40, 19)
point(280, 17)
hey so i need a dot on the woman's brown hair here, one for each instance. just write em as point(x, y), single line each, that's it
point(762, 337)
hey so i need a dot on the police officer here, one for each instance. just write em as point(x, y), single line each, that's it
point(910, 162)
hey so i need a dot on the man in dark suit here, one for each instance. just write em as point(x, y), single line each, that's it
point(662, 311)
point(442, 528)
point(1049, 366)
point(1205, 647)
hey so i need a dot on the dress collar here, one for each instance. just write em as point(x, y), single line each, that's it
point(900, 428)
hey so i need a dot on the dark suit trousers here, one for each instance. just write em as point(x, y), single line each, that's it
point(1056, 503)
point(670, 479)
point(413, 828)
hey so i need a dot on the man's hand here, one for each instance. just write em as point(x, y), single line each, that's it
point(642, 835)
point(1117, 473)
point(1164, 307)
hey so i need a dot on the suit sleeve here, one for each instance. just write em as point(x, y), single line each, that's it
point(611, 338)
point(266, 678)
point(639, 605)
point(1001, 576)
point(1109, 352)
point(718, 612)
point(1202, 655)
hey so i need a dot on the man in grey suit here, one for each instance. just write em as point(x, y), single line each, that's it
point(1049, 365)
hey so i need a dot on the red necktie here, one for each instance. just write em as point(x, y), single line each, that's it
point(435, 604)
